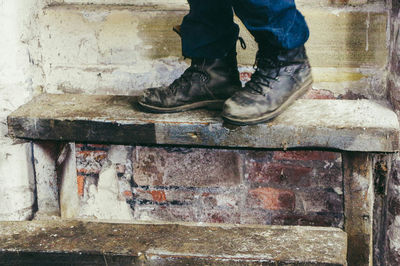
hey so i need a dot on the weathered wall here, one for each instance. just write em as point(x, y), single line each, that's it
point(118, 48)
point(392, 250)
point(121, 47)
point(207, 185)
point(392, 245)
point(394, 57)
point(17, 84)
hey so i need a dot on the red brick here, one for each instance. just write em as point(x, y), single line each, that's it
point(306, 155)
point(158, 196)
point(90, 162)
point(153, 195)
point(220, 216)
point(88, 170)
point(186, 167)
point(319, 94)
point(128, 194)
point(319, 201)
point(245, 76)
point(273, 199)
point(81, 185)
point(278, 173)
point(79, 145)
point(95, 155)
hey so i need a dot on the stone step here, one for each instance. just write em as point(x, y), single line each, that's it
point(128, 47)
point(83, 243)
point(350, 125)
point(176, 4)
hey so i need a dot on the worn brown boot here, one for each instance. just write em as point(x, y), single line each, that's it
point(206, 83)
point(281, 77)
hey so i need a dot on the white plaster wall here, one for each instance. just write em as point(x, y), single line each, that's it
point(18, 81)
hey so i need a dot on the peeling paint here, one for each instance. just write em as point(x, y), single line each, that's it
point(105, 202)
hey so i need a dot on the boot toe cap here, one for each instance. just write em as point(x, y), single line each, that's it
point(243, 106)
point(151, 97)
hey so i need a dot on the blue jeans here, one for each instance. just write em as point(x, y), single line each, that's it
point(208, 31)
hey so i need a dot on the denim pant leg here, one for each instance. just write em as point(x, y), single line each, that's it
point(208, 31)
point(277, 22)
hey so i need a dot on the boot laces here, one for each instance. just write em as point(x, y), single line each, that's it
point(185, 80)
point(266, 71)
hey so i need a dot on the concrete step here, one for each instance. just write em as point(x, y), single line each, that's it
point(125, 46)
point(86, 243)
point(176, 4)
point(358, 125)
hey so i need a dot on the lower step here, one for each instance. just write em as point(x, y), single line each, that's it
point(88, 243)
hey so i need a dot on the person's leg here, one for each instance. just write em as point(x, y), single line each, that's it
point(283, 73)
point(278, 23)
point(209, 38)
point(208, 31)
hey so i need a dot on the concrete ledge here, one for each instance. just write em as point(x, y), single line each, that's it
point(169, 244)
point(360, 125)
point(183, 3)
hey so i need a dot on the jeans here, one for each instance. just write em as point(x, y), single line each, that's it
point(208, 31)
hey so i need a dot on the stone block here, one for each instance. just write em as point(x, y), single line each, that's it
point(272, 199)
point(170, 244)
point(359, 206)
point(279, 174)
point(46, 155)
point(186, 167)
point(320, 201)
point(121, 49)
point(295, 169)
point(175, 4)
point(17, 181)
point(363, 125)
point(266, 200)
point(70, 185)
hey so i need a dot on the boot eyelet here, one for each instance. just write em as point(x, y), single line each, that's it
point(204, 78)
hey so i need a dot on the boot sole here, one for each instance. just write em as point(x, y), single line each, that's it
point(243, 122)
point(210, 104)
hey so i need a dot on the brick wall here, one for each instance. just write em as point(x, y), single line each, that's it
point(392, 250)
point(219, 185)
point(394, 60)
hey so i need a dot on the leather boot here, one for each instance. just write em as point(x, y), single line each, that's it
point(206, 83)
point(281, 77)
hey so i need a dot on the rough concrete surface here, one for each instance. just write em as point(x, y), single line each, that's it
point(120, 47)
point(359, 207)
point(183, 3)
point(104, 201)
point(17, 182)
point(69, 200)
point(47, 195)
point(347, 125)
point(176, 184)
point(17, 83)
point(152, 244)
point(196, 168)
